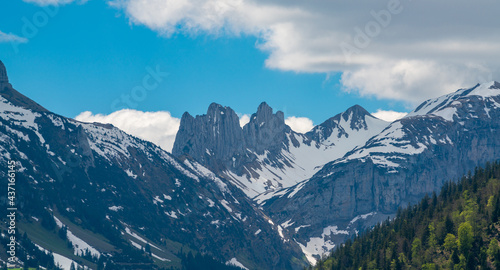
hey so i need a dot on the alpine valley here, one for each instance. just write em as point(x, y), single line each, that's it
point(261, 196)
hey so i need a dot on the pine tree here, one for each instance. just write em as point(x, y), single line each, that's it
point(451, 231)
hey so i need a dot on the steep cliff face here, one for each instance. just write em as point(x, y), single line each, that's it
point(3, 73)
point(266, 131)
point(266, 155)
point(212, 139)
point(439, 141)
point(217, 140)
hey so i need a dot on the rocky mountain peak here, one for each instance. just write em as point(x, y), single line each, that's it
point(266, 130)
point(356, 115)
point(215, 109)
point(266, 154)
point(215, 134)
point(486, 89)
point(13, 96)
point(265, 114)
point(264, 107)
point(3, 73)
point(355, 118)
point(221, 115)
point(356, 111)
point(434, 106)
point(495, 85)
point(186, 116)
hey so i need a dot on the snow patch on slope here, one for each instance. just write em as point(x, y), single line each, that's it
point(235, 262)
point(79, 246)
point(298, 162)
point(321, 245)
point(63, 262)
point(136, 236)
point(20, 117)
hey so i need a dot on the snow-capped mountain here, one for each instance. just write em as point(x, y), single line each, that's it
point(260, 196)
point(265, 155)
point(439, 141)
point(130, 191)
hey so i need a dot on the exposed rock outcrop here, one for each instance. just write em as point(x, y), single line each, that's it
point(266, 154)
point(3, 73)
point(441, 140)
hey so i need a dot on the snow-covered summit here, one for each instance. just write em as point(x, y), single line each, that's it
point(421, 129)
point(485, 90)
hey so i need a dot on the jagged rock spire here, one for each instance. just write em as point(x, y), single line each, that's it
point(215, 134)
point(266, 130)
point(3, 73)
point(13, 96)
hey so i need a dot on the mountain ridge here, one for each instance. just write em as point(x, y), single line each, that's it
point(265, 154)
point(262, 194)
point(411, 157)
point(110, 182)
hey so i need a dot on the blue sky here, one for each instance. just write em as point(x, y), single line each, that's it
point(87, 55)
point(310, 59)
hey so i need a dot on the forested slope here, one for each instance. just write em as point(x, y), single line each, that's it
point(457, 229)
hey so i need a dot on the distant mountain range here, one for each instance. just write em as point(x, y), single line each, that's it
point(259, 196)
point(98, 180)
point(440, 140)
point(267, 155)
point(351, 171)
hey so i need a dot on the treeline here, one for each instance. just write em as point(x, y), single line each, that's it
point(30, 254)
point(459, 229)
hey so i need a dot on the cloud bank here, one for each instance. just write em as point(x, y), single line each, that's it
point(299, 124)
point(389, 116)
point(159, 128)
point(395, 49)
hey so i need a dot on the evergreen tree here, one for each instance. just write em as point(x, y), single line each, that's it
point(455, 230)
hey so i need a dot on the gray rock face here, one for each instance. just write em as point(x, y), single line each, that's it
point(13, 95)
point(217, 135)
point(265, 131)
point(212, 139)
point(266, 154)
point(3, 74)
point(441, 140)
point(216, 139)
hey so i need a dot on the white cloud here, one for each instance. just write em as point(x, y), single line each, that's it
point(299, 124)
point(244, 119)
point(389, 116)
point(4, 37)
point(157, 127)
point(411, 80)
point(395, 53)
